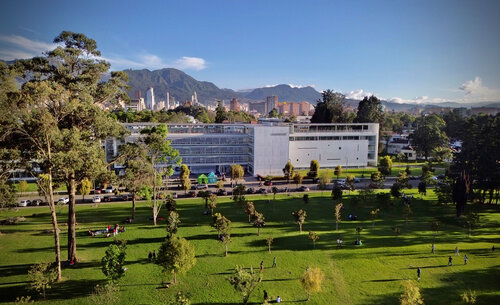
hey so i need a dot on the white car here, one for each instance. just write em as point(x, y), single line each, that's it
point(109, 189)
point(96, 199)
point(63, 200)
point(24, 203)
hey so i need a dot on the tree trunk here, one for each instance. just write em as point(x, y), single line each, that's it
point(155, 212)
point(226, 249)
point(248, 218)
point(72, 218)
point(133, 204)
point(175, 277)
point(336, 225)
point(300, 228)
point(258, 231)
point(55, 226)
point(269, 246)
point(373, 223)
point(470, 230)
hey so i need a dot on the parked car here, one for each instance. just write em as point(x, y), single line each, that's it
point(250, 191)
point(191, 194)
point(357, 180)
point(268, 183)
point(126, 197)
point(63, 200)
point(202, 187)
point(373, 185)
point(96, 199)
point(109, 189)
point(262, 191)
point(304, 189)
point(174, 195)
point(222, 192)
point(97, 190)
point(24, 203)
point(36, 202)
point(108, 198)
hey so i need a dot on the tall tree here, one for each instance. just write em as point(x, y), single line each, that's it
point(300, 217)
point(223, 227)
point(385, 166)
point(288, 171)
point(84, 188)
point(311, 280)
point(249, 209)
point(184, 176)
point(330, 109)
point(370, 110)
point(176, 255)
point(428, 135)
point(258, 221)
point(338, 215)
point(237, 172)
point(173, 222)
point(245, 282)
point(313, 169)
point(220, 113)
point(159, 153)
point(138, 171)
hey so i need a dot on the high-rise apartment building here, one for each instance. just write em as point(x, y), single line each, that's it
point(150, 99)
point(271, 103)
point(234, 105)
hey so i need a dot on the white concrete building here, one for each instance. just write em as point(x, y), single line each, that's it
point(264, 149)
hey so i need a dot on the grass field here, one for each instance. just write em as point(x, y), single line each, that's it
point(359, 172)
point(368, 274)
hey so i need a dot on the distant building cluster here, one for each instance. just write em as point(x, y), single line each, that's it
point(285, 108)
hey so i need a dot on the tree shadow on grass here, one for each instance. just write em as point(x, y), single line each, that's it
point(12, 270)
point(60, 291)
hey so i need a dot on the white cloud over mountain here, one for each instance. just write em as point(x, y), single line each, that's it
point(18, 47)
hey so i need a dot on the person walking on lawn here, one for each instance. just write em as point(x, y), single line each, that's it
point(274, 262)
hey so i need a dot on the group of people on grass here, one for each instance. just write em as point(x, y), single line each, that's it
point(108, 231)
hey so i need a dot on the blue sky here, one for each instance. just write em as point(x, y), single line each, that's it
point(412, 51)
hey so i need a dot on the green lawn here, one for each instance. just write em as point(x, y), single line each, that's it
point(367, 171)
point(370, 274)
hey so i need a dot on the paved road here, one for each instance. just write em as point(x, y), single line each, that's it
point(250, 182)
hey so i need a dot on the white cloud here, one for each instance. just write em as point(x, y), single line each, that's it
point(420, 100)
point(474, 90)
point(19, 47)
point(192, 63)
point(357, 94)
point(291, 86)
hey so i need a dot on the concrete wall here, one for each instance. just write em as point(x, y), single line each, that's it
point(329, 153)
point(270, 150)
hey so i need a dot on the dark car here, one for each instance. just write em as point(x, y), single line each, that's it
point(36, 202)
point(268, 183)
point(191, 194)
point(222, 192)
point(250, 191)
point(262, 191)
point(107, 198)
point(303, 189)
point(126, 197)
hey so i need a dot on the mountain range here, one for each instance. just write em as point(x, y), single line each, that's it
point(181, 86)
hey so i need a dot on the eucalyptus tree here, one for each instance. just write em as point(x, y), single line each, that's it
point(138, 172)
point(162, 158)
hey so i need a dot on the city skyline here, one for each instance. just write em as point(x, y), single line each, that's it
point(421, 52)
